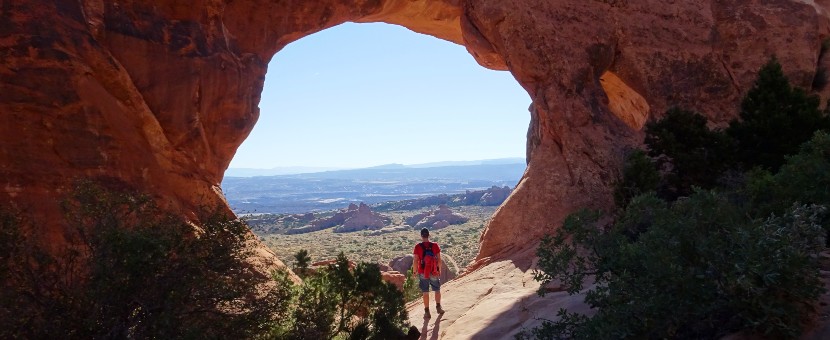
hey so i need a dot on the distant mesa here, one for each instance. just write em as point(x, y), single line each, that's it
point(354, 218)
point(493, 196)
point(436, 219)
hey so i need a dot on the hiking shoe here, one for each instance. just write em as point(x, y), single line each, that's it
point(439, 309)
point(426, 314)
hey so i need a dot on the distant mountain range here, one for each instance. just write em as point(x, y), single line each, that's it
point(288, 170)
point(329, 190)
point(294, 170)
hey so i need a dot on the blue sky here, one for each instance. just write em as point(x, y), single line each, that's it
point(360, 95)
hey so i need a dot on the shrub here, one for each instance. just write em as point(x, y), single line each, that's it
point(775, 119)
point(340, 302)
point(411, 291)
point(301, 262)
point(639, 175)
point(138, 273)
point(699, 269)
point(687, 152)
point(804, 178)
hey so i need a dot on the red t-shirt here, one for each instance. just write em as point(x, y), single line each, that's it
point(420, 252)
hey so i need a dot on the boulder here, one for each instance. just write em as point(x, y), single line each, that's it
point(362, 218)
point(436, 219)
point(401, 263)
point(394, 277)
point(448, 268)
point(354, 218)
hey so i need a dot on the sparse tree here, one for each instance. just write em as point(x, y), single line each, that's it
point(687, 152)
point(775, 119)
point(301, 262)
point(639, 176)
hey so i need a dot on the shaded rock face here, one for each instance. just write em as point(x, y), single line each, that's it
point(157, 95)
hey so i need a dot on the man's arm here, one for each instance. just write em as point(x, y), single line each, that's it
point(415, 260)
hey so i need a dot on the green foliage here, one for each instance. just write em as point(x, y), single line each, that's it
point(700, 269)
point(301, 262)
point(689, 154)
point(715, 263)
point(775, 119)
point(639, 176)
point(712, 264)
point(411, 291)
point(139, 273)
point(347, 303)
point(314, 313)
point(804, 178)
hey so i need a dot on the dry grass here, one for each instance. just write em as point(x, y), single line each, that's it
point(459, 241)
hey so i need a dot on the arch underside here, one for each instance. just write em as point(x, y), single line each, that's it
point(158, 95)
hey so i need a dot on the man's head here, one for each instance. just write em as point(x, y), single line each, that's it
point(425, 234)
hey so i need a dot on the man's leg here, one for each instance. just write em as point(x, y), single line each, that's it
point(426, 299)
point(436, 286)
point(423, 283)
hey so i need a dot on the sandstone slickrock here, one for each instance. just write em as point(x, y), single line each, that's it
point(157, 96)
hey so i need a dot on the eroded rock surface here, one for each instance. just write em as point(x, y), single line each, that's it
point(157, 96)
point(354, 218)
point(436, 219)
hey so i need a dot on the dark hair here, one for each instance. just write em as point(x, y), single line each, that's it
point(424, 232)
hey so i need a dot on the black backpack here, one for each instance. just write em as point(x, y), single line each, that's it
point(428, 259)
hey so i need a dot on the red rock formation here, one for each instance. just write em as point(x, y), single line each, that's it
point(394, 278)
point(353, 218)
point(157, 95)
point(363, 218)
point(437, 219)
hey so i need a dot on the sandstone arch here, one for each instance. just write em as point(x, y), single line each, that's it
point(158, 95)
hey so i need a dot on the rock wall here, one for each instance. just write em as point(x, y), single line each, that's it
point(158, 95)
point(595, 69)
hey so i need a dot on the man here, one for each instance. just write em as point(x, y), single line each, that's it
point(427, 263)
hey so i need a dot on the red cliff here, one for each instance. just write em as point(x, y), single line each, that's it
point(158, 95)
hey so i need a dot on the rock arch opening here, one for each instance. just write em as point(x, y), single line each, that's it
point(364, 95)
point(158, 95)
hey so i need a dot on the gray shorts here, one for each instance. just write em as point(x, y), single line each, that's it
point(424, 283)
